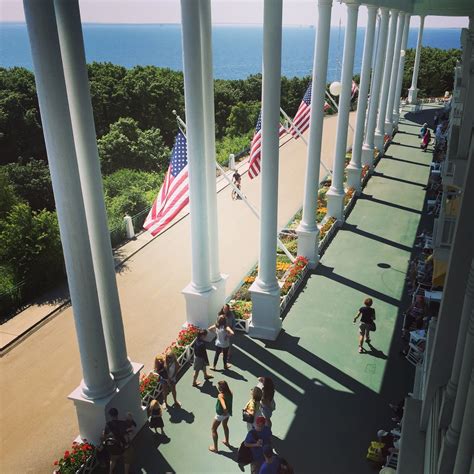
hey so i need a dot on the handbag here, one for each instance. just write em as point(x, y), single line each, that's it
point(372, 326)
point(247, 417)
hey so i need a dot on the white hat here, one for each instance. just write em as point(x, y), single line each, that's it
point(381, 433)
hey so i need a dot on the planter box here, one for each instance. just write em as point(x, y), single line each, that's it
point(327, 238)
point(285, 300)
point(242, 325)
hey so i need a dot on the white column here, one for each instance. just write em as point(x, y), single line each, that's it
point(458, 385)
point(369, 146)
point(198, 293)
point(394, 75)
point(217, 279)
point(464, 456)
point(354, 168)
point(266, 322)
point(52, 96)
point(80, 107)
point(335, 195)
point(401, 69)
point(413, 91)
point(380, 130)
point(308, 231)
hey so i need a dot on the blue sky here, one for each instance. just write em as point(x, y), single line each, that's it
point(295, 12)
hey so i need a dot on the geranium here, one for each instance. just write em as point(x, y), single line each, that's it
point(148, 384)
point(72, 460)
point(186, 336)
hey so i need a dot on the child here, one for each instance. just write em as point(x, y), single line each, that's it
point(155, 419)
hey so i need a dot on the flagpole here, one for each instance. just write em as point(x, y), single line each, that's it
point(181, 123)
point(301, 136)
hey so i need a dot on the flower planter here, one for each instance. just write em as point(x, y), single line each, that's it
point(242, 325)
point(327, 238)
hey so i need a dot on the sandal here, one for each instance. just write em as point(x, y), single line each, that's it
point(196, 384)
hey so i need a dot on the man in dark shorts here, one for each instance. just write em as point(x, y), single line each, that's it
point(236, 179)
point(367, 318)
point(116, 440)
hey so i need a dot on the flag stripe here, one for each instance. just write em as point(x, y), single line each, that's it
point(173, 196)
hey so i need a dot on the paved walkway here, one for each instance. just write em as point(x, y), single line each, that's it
point(330, 399)
point(37, 421)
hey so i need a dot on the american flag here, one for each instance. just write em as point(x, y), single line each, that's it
point(174, 194)
point(256, 147)
point(301, 120)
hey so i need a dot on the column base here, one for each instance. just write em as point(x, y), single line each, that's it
point(219, 295)
point(201, 306)
point(396, 120)
point(447, 454)
point(93, 414)
point(378, 142)
point(308, 245)
point(388, 128)
point(354, 177)
point(266, 321)
point(335, 204)
point(367, 156)
point(412, 95)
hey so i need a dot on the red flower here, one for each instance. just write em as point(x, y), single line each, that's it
point(55, 463)
point(66, 454)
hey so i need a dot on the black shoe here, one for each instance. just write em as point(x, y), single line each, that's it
point(241, 467)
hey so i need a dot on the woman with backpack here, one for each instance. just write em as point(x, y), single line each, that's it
point(252, 409)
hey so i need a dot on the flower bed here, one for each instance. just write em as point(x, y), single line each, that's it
point(80, 459)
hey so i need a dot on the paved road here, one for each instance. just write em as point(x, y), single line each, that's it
point(37, 420)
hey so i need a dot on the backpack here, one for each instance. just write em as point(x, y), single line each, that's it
point(114, 445)
point(244, 454)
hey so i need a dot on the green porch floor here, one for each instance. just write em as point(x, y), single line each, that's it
point(330, 399)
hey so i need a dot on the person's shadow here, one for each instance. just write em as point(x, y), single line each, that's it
point(179, 414)
point(374, 352)
point(208, 388)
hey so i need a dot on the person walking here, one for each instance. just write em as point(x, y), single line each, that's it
point(425, 140)
point(116, 441)
point(201, 360)
point(229, 314)
point(367, 322)
point(172, 366)
point(223, 333)
point(223, 412)
point(237, 181)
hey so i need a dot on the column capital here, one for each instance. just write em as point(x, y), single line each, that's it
point(372, 8)
point(384, 10)
point(324, 3)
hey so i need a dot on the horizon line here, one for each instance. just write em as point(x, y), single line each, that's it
point(248, 25)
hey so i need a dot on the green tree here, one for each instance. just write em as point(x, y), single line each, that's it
point(32, 182)
point(108, 95)
point(30, 243)
point(127, 146)
point(235, 145)
point(226, 95)
point(8, 198)
point(153, 94)
point(20, 123)
point(242, 118)
point(436, 73)
point(129, 192)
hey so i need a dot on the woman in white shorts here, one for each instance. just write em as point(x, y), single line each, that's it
point(223, 412)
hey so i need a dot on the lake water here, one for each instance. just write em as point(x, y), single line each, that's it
point(237, 49)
